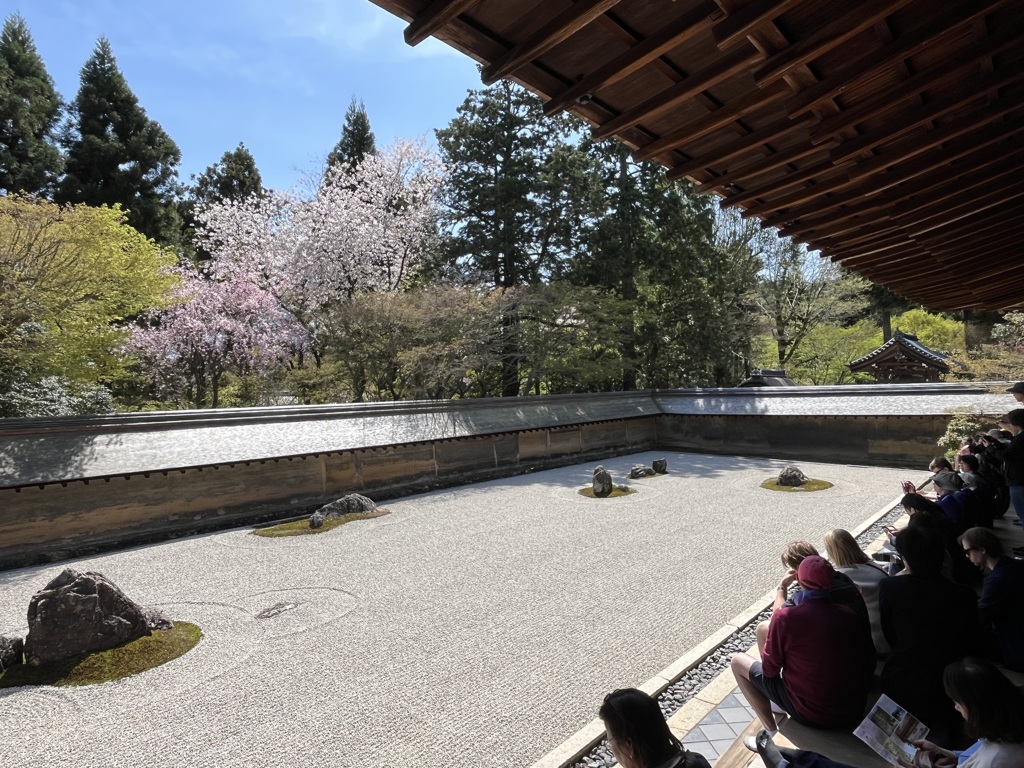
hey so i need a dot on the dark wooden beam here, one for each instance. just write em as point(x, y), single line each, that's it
point(743, 21)
point(435, 16)
point(945, 22)
point(560, 28)
point(816, 172)
point(760, 167)
point(863, 15)
point(734, 62)
point(750, 142)
point(686, 27)
point(927, 79)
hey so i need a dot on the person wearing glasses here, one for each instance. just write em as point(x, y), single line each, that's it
point(1001, 605)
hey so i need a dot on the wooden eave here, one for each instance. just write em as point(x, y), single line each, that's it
point(888, 134)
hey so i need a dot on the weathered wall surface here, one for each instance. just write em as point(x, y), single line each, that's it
point(68, 486)
point(52, 521)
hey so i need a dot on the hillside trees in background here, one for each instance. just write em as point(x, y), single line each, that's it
point(69, 276)
point(357, 140)
point(30, 160)
point(235, 177)
point(519, 198)
point(116, 155)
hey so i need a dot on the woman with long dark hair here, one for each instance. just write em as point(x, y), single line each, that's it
point(638, 735)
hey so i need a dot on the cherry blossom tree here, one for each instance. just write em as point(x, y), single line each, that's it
point(220, 323)
point(363, 229)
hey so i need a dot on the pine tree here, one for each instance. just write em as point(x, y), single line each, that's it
point(116, 154)
point(234, 177)
point(30, 160)
point(356, 138)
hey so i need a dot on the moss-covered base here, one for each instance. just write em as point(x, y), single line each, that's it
point(301, 527)
point(617, 491)
point(112, 664)
point(811, 485)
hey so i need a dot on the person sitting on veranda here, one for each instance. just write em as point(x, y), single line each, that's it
point(937, 466)
point(929, 622)
point(928, 515)
point(638, 735)
point(817, 660)
point(959, 504)
point(842, 591)
point(848, 558)
point(989, 704)
point(1001, 605)
point(983, 491)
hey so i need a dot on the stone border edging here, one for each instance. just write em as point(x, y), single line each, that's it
point(584, 740)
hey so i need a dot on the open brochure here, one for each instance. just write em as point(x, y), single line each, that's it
point(889, 728)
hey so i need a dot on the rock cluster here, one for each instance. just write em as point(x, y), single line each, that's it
point(83, 612)
point(602, 483)
point(639, 470)
point(11, 650)
point(346, 505)
point(791, 476)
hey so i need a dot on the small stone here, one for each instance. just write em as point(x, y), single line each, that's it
point(11, 650)
point(316, 520)
point(602, 483)
point(660, 466)
point(639, 470)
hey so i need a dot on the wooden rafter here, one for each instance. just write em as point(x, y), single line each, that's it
point(559, 29)
point(436, 15)
point(742, 22)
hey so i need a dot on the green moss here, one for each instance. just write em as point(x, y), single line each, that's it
point(811, 485)
point(301, 527)
point(617, 491)
point(112, 664)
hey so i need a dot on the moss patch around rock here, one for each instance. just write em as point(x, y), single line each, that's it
point(617, 491)
point(112, 664)
point(301, 527)
point(772, 484)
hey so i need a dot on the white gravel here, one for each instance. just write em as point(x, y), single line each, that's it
point(478, 626)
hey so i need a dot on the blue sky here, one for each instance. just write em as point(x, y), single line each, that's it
point(277, 76)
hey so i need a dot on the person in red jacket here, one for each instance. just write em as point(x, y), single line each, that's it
point(814, 664)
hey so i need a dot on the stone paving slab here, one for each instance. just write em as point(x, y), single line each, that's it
point(471, 627)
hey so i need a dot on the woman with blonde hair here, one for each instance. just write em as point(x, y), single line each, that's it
point(847, 557)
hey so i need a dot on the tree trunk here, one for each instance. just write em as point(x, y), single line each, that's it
point(885, 320)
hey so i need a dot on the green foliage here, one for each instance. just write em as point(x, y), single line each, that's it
point(825, 352)
point(938, 332)
point(30, 160)
point(113, 664)
point(356, 140)
point(116, 155)
point(53, 396)
point(964, 423)
point(68, 277)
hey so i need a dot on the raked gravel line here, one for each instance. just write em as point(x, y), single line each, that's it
point(476, 626)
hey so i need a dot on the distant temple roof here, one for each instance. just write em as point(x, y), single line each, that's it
point(902, 356)
point(768, 377)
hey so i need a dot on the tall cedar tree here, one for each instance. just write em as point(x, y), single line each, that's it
point(30, 160)
point(356, 138)
point(116, 154)
point(234, 177)
point(518, 198)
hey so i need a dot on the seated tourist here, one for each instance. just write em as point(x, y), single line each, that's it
point(959, 504)
point(983, 491)
point(927, 514)
point(850, 560)
point(929, 622)
point(937, 466)
point(1013, 461)
point(638, 735)
point(989, 704)
point(843, 591)
point(817, 662)
point(1001, 605)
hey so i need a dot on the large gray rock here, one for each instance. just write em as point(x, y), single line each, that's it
point(792, 476)
point(11, 649)
point(660, 466)
point(602, 483)
point(79, 613)
point(640, 470)
point(346, 505)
